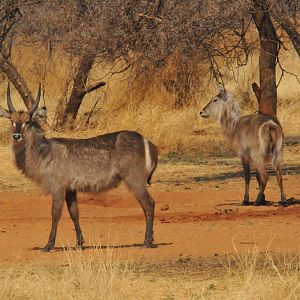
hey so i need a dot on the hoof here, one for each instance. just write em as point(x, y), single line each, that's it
point(149, 244)
point(260, 200)
point(245, 203)
point(283, 203)
point(258, 203)
point(46, 248)
point(79, 247)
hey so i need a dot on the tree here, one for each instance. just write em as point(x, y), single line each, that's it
point(269, 44)
point(148, 35)
point(10, 15)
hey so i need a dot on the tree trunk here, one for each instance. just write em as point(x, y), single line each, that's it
point(17, 80)
point(267, 59)
point(293, 35)
point(79, 90)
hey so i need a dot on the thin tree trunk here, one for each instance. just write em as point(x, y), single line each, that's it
point(17, 80)
point(267, 59)
point(75, 100)
point(293, 35)
point(79, 89)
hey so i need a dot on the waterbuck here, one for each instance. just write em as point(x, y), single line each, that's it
point(257, 140)
point(64, 166)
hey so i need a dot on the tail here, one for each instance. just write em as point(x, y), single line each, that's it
point(271, 141)
point(151, 159)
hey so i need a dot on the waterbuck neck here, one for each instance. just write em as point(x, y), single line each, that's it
point(229, 117)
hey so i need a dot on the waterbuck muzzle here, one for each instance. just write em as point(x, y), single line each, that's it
point(17, 137)
point(203, 114)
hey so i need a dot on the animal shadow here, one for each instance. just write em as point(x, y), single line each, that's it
point(222, 208)
point(289, 202)
point(101, 247)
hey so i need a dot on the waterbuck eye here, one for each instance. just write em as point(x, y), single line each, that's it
point(24, 124)
point(215, 100)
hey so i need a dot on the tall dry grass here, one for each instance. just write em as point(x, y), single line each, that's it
point(147, 106)
point(101, 275)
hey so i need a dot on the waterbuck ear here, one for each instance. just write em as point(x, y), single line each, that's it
point(4, 113)
point(221, 91)
point(39, 114)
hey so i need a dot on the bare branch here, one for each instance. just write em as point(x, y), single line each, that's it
point(93, 87)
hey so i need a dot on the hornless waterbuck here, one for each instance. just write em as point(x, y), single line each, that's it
point(65, 166)
point(257, 139)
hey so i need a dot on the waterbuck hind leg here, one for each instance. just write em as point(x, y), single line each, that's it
point(147, 203)
point(72, 203)
point(262, 178)
point(279, 181)
point(247, 175)
point(57, 205)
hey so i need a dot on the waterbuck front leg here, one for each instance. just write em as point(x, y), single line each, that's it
point(72, 203)
point(247, 175)
point(147, 203)
point(279, 180)
point(57, 205)
point(262, 179)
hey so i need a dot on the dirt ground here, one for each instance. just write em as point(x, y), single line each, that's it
point(192, 220)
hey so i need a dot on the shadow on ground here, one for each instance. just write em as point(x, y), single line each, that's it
point(95, 247)
point(289, 202)
point(288, 170)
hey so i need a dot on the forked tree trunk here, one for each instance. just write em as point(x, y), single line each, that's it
point(17, 80)
point(79, 89)
point(267, 59)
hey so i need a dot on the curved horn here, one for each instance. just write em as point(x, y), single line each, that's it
point(9, 102)
point(36, 102)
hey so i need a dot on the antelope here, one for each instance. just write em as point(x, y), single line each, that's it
point(257, 139)
point(65, 166)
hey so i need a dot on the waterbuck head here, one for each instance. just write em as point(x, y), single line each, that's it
point(22, 121)
point(213, 109)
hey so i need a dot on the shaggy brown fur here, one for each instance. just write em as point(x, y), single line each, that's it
point(257, 139)
point(63, 167)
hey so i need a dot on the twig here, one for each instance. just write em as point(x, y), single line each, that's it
point(93, 87)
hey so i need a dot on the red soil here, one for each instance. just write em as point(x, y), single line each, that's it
point(202, 219)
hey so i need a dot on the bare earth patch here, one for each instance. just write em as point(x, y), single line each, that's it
point(192, 220)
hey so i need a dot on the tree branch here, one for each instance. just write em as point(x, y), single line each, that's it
point(93, 87)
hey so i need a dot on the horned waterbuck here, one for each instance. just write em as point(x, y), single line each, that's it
point(257, 139)
point(64, 166)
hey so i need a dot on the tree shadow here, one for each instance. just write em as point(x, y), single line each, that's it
point(102, 247)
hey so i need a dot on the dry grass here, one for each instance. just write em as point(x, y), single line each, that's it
point(147, 106)
point(102, 275)
point(189, 146)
